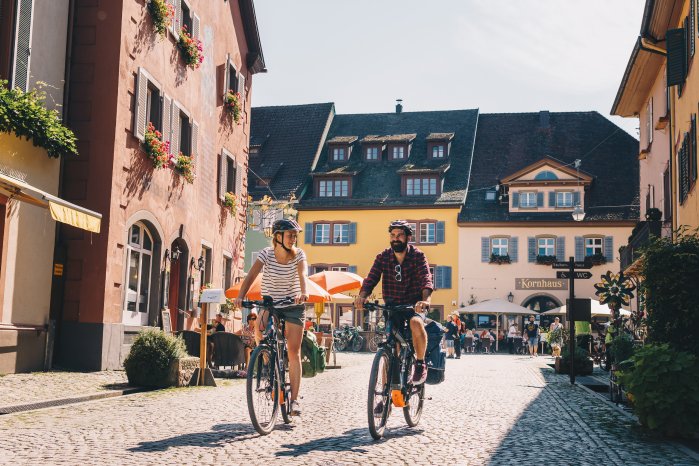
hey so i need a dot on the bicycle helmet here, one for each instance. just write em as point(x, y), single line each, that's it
point(401, 224)
point(285, 224)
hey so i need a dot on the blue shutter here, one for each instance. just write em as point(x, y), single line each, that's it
point(539, 199)
point(515, 199)
point(446, 276)
point(561, 248)
point(514, 248)
point(485, 249)
point(308, 233)
point(353, 233)
point(440, 232)
point(579, 248)
point(609, 248)
point(352, 268)
point(532, 249)
point(576, 198)
point(438, 277)
point(552, 198)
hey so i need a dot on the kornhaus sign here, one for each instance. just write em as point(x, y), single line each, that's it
point(540, 284)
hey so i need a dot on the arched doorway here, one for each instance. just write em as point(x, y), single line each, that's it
point(142, 277)
point(541, 303)
point(176, 282)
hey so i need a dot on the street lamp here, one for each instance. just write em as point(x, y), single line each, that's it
point(510, 297)
point(200, 262)
point(578, 213)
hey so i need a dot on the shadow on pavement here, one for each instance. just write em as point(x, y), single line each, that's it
point(352, 440)
point(220, 435)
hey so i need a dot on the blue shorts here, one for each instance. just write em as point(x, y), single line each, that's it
point(533, 341)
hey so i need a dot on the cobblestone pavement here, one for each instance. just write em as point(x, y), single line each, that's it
point(17, 389)
point(490, 410)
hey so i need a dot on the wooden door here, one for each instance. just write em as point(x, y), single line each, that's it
point(173, 293)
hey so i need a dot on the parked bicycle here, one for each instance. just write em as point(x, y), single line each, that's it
point(375, 341)
point(599, 354)
point(268, 387)
point(390, 380)
point(348, 337)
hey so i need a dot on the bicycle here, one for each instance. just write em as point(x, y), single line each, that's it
point(374, 342)
point(268, 387)
point(348, 337)
point(390, 380)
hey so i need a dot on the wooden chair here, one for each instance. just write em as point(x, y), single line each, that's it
point(229, 349)
point(191, 341)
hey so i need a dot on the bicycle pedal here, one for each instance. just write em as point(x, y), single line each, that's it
point(398, 399)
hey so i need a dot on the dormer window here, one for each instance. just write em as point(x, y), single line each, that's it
point(564, 199)
point(438, 151)
point(398, 153)
point(339, 154)
point(527, 200)
point(490, 195)
point(333, 187)
point(372, 153)
point(421, 186)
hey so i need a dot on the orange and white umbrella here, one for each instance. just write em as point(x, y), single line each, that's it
point(335, 281)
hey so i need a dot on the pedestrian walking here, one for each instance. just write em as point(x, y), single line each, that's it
point(532, 332)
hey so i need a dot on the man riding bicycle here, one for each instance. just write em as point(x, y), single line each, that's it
point(406, 280)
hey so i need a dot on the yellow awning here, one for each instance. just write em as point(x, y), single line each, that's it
point(61, 211)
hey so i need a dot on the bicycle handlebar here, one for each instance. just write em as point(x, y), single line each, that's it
point(267, 302)
point(390, 308)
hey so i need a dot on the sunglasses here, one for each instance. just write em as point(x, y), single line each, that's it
point(399, 274)
point(252, 318)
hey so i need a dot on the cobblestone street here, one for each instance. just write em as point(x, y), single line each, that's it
point(490, 410)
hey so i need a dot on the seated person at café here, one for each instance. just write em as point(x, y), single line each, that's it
point(486, 338)
point(468, 341)
point(211, 329)
point(247, 334)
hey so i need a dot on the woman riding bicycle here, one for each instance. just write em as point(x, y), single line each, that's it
point(284, 274)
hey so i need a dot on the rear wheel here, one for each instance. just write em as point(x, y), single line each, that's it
point(413, 411)
point(379, 402)
point(286, 390)
point(262, 390)
point(357, 343)
point(340, 344)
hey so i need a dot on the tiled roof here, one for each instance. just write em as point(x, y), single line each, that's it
point(288, 137)
point(440, 136)
point(342, 140)
point(378, 183)
point(508, 142)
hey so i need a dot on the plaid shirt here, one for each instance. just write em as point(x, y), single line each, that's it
point(415, 273)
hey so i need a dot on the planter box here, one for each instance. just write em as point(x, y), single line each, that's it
point(181, 371)
point(564, 368)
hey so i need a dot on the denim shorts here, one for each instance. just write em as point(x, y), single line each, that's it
point(293, 314)
point(450, 343)
point(533, 341)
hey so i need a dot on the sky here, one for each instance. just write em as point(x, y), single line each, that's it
point(495, 55)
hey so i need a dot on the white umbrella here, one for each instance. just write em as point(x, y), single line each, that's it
point(496, 306)
point(598, 310)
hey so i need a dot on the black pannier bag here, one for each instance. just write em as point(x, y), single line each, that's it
point(435, 356)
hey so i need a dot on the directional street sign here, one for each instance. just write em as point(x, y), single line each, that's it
point(566, 265)
point(577, 275)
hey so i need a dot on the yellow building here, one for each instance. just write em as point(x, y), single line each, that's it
point(376, 168)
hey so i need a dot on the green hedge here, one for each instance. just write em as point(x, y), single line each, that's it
point(663, 383)
point(148, 362)
point(24, 114)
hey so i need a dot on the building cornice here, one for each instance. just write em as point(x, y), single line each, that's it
point(572, 223)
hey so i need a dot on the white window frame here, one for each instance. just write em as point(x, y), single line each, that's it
point(546, 246)
point(343, 230)
point(428, 232)
point(561, 199)
point(141, 251)
point(500, 246)
point(341, 188)
point(413, 239)
point(372, 153)
point(418, 186)
point(528, 196)
point(398, 152)
point(324, 230)
point(595, 244)
point(649, 120)
point(438, 151)
point(339, 154)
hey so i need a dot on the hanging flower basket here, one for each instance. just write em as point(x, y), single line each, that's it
point(230, 200)
point(184, 166)
point(162, 13)
point(157, 150)
point(232, 102)
point(192, 49)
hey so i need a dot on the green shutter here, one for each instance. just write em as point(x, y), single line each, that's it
point(676, 56)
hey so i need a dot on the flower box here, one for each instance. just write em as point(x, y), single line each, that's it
point(157, 150)
point(596, 259)
point(232, 103)
point(545, 260)
point(498, 259)
point(230, 200)
point(191, 48)
point(184, 166)
point(162, 13)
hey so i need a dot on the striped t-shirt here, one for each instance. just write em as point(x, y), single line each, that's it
point(280, 280)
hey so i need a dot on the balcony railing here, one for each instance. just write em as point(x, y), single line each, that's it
point(640, 237)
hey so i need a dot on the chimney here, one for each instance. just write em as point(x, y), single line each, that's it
point(399, 106)
point(544, 119)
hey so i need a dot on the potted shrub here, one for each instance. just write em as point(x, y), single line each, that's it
point(157, 150)
point(500, 259)
point(230, 200)
point(162, 13)
point(157, 359)
point(192, 49)
point(545, 260)
point(232, 103)
point(184, 166)
point(583, 363)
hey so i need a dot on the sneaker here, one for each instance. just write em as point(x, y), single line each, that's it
point(295, 409)
point(378, 409)
point(420, 373)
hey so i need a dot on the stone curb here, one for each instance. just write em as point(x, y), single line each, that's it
point(72, 400)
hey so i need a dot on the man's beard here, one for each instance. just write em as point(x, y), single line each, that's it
point(398, 246)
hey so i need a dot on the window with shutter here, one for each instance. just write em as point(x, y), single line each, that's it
point(239, 179)
point(231, 174)
point(140, 105)
point(241, 88)
point(693, 148)
point(683, 168)
point(23, 40)
point(177, 22)
point(676, 56)
point(195, 26)
point(165, 117)
point(195, 139)
point(692, 26)
point(186, 18)
point(223, 176)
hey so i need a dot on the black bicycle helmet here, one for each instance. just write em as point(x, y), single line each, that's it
point(285, 224)
point(401, 224)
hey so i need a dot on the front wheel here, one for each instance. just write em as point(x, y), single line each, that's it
point(413, 411)
point(373, 343)
point(263, 390)
point(340, 344)
point(357, 343)
point(379, 402)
